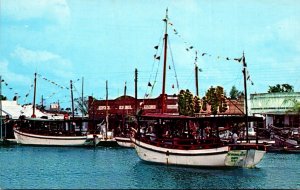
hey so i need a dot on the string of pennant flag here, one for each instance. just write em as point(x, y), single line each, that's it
point(31, 87)
point(191, 48)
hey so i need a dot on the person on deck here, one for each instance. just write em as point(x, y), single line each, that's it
point(234, 138)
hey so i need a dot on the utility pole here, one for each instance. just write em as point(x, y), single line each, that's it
point(196, 80)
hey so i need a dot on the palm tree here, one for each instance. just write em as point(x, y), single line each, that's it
point(216, 99)
point(188, 104)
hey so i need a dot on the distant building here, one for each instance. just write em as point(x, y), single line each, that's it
point(54, 107)
point(14, 111)
point(276, 107)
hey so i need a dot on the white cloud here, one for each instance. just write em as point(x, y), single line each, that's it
point(55, 10)
point(44, 61)
point(11, 76)
point(29, 56)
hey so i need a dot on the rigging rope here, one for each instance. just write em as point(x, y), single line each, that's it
point(177, 83)
point(155, 58)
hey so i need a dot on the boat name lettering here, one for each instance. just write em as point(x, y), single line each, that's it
point(236, 154)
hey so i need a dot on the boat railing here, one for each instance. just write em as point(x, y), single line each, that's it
point(247, 146)
point(184, 144)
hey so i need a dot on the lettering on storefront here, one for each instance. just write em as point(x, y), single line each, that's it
point(149, 107)
point(127, 107)
point(103, 107)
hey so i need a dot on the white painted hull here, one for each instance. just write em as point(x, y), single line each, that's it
point(42, 140)
point(124, 142)
point(214, 157)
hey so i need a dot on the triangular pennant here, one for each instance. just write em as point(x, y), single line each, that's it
point(149, 84)
point(156, 47)
point(238, 59)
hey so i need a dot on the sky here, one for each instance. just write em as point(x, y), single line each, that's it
point(91, 42)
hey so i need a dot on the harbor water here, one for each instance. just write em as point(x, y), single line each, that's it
point(26, 167)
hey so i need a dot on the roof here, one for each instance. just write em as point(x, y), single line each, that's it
point(14, 110)
point(217, 118)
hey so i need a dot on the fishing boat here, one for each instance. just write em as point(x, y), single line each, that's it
point(124, 142)
point(105, 137)
point(47, 132)
point(184, 140)
point(124, 130)
point(52, 132)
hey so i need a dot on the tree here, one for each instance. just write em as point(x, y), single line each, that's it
point(234, 93)
point(188, 104)
point(197, 104)
point(2, 97)
point(281, 88)
point(81, 106)
point(295, 107)
point(181, 103)
point(216, 99)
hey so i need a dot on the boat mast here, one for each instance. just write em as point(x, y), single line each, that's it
point(106, 111)
point(34, 94)
point(165, 64)
point(123, 117)
point(245, 90)
point(82, 99)
point(135, 89)
point(71, 87)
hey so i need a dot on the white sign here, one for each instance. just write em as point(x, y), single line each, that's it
point(127, 107)
point(103, 107)
point(149, 107)
point(172, 106)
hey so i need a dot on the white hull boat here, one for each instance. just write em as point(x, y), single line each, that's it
point(124, 142)
point(43, 140)
point(202, 157)
point(211, 157)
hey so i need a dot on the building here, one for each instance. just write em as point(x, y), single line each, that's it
point(129, 106)
point(278, 108)
point(15, 110)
